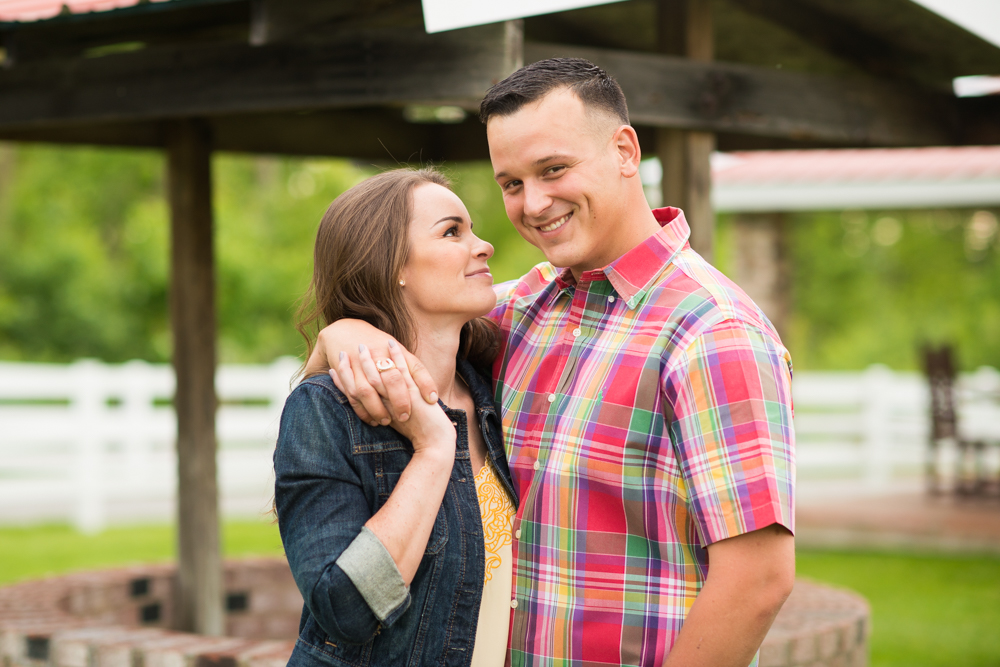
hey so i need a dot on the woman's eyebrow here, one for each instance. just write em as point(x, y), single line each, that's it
point(450, 218)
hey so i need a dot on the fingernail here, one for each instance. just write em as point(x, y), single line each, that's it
point(434, 396)
point(385, 421)
point(374, 423)
point(403, 417)
point(342, 355)
point(361, 348)
point(392, 343)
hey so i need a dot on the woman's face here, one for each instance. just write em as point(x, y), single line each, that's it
point(446, 276)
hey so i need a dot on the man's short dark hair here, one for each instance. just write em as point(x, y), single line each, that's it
point(595, 88)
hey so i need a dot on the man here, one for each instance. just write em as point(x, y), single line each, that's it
point(646, 402)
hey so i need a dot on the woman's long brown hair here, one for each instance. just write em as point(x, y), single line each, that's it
point(361, 249)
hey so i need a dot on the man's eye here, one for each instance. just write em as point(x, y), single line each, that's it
point(554, 170)
point(510, 185)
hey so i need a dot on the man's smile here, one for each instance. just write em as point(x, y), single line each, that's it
point(552, 226)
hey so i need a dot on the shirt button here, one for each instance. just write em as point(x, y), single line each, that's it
point(577, 331)
point(537, 465)
point(513, 604)
point(552, 398)
point(611, 299)
point(517, 534)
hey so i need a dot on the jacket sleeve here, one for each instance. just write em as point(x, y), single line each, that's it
point(348, 580)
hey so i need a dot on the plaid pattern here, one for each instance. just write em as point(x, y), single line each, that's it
point(647, 413)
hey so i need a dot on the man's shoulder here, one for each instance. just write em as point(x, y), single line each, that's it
point(534, 281)
point(702, 292)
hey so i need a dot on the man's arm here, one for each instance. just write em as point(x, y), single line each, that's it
point(749, 578)
point(369, 387)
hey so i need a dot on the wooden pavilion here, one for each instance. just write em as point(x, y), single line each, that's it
point(364, 80)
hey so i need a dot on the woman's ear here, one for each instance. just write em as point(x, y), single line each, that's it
point(626, 143)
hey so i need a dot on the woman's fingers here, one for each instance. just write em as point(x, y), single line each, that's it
point(389, 384)
point(343, 377)
point(422, 378)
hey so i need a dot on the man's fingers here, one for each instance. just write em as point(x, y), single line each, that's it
point(422, 378)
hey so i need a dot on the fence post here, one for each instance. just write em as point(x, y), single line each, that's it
point(137, 405)
point(877, 424)
point(88, 405)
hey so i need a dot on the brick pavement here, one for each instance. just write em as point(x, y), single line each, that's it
point(912, 521)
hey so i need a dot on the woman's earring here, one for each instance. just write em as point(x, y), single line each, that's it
point(402, 283)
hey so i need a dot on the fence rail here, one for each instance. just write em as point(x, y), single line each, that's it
point(92, 443)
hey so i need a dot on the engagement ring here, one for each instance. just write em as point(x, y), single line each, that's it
point(384, 365)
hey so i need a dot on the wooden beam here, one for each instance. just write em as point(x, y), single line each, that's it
point(192, 311)
point(686, 29)
point(349, 69)
point(376, 133)
point(666, 91)
point(403, 65)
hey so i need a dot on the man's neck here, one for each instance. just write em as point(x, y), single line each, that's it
point(638, 225)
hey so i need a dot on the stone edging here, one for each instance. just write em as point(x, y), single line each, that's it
point(120, 618)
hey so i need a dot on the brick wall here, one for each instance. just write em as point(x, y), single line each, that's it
point(121, 618)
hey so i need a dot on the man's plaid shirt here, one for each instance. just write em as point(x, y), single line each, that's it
point(647, 411)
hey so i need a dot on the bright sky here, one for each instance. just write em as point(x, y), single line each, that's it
point(981, 17)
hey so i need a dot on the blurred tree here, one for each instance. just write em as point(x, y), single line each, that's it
point(84, 249)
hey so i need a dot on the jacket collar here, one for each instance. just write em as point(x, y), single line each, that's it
point(633, 273)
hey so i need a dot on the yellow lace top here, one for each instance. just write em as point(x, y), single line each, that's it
point(494, 612)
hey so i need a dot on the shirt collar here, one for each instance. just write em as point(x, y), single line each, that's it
point(632, 273)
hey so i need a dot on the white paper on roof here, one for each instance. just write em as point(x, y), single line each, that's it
point(440, 15)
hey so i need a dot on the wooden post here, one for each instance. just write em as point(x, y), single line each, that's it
point(762, 266)
point(192, 310)
point(685, 29)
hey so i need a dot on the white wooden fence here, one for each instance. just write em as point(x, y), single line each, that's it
point(92, 443)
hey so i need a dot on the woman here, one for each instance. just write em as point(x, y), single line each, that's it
point(399, 545)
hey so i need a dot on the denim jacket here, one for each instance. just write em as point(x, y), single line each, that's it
point(332, 473)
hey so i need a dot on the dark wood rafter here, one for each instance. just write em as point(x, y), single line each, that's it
point(362, 69)
point(686, 29)
point(192, 316)
point(667, 91)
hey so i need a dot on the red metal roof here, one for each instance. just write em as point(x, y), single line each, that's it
point(966, 163)
point(35, 10)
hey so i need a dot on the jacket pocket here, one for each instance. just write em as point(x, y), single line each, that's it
point(313, 640)
point(439, 534)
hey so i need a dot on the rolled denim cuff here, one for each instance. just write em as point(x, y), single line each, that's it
point(373, 572)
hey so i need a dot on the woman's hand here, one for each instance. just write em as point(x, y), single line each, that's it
point(428, 427)
point(366, 393)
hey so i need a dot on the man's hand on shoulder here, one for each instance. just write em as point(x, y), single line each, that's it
point(376, 397)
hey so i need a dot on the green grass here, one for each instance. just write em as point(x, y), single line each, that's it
point(927, 610)
point(39, 551)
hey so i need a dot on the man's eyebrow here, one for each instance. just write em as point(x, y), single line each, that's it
point(540, 161)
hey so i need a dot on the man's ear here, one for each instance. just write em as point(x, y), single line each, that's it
point(626, 142)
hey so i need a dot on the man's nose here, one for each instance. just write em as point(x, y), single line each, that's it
point(536, 201)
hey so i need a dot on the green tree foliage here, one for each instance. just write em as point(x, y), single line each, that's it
point(84, 237)
point(84, 248)
point(875, 286)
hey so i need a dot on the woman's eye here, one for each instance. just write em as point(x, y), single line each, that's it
point(452, 231)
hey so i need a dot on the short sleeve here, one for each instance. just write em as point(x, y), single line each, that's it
point(731, 427)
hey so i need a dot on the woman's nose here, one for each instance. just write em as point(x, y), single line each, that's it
point(484, 249)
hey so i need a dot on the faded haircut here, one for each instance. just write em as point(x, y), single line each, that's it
point(595, 88)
